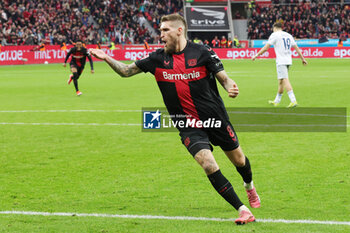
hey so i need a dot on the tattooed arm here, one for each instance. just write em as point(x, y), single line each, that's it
point(122, 69)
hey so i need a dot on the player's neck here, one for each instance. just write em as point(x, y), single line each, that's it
point(181, 45)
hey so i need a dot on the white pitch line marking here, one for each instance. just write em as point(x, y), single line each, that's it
point(184, 218)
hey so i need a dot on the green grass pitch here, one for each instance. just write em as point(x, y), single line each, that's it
point(121, 170)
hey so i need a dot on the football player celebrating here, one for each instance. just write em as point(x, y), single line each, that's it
point(186, 74)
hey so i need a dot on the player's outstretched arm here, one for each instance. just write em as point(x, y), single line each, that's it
point(300, 54)
point(122, 69)
point(227, 83)
point(262, 51)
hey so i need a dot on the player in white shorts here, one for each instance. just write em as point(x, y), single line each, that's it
point(282, 42)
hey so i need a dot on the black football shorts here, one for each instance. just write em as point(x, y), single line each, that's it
point(79, 68)
point(196, 139)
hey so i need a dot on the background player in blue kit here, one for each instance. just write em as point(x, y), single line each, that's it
point(186, 74)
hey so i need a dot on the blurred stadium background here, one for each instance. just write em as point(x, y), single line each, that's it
point(52, 26)
point(60, 153)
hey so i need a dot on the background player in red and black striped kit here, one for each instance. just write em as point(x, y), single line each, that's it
point(186, 74)
point(77, 63)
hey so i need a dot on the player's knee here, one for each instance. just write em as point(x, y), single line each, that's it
point(239, 159)
point(209, 167)
point(207, 161)
point(240, 162)
point(236, 156)
point(75, 75)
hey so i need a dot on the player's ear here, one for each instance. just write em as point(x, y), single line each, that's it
point(180, 30)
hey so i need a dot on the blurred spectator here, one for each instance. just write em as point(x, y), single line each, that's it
point(229, 43)
point(215, 42)
point(236, 43)
point(237, 15)
point(223, 42)
point(197, 41)
point(302, 19)
point(112, 46)
point(145, 44)
point(3, 41)
point(340, 43)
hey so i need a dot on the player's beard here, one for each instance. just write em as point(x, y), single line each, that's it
point(170, 46)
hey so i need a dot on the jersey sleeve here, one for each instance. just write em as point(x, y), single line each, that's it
point(213, 64)
point(292, 41)
point(68, 54)
point(272, 39)
point(147, 64)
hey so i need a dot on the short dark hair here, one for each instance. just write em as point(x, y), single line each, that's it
point(174, 17)
point(277, 25)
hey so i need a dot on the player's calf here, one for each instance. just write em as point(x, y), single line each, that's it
point(75, 81)
point(225, 189)
point(246, 173)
